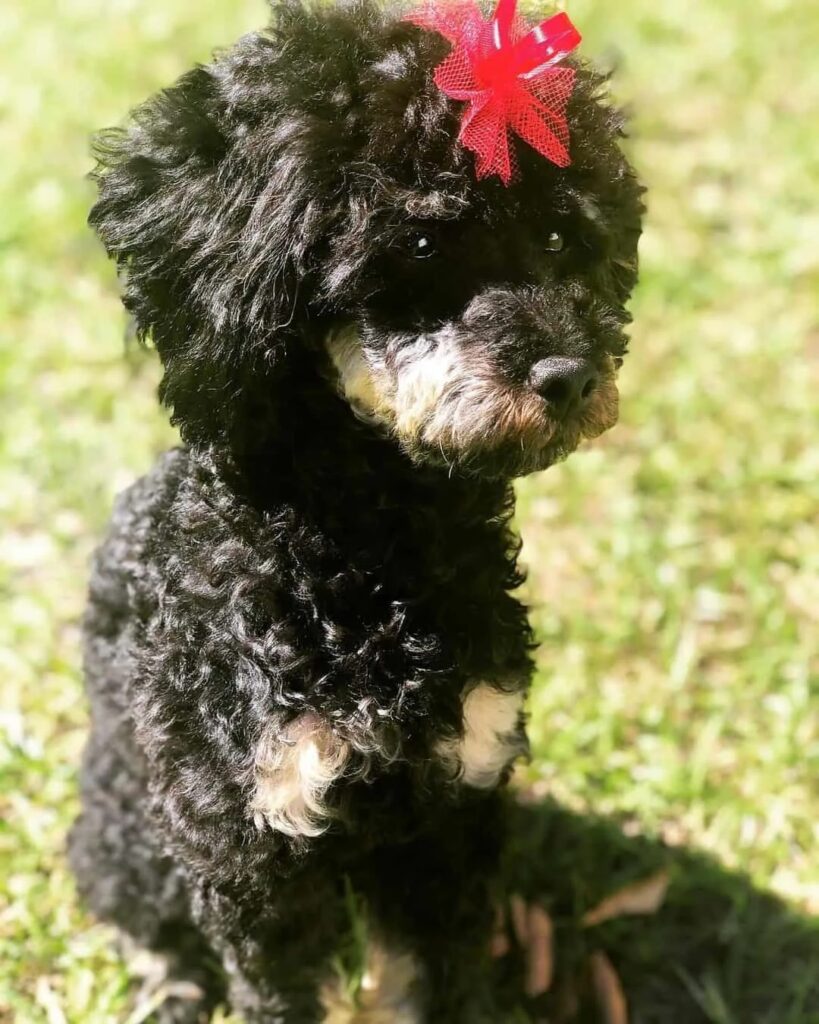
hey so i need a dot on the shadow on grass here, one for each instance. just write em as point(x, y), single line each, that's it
point(719, 951)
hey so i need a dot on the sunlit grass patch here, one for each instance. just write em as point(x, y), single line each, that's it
point(674, 564)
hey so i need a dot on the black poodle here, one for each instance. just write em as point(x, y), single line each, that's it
point(304, 655)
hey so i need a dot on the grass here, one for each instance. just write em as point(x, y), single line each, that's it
point(674, 564)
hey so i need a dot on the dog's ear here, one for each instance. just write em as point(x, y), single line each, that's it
point(201, 205)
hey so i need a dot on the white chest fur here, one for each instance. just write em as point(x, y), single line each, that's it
point(492, 736)
point(295, 769)
point(293, 774)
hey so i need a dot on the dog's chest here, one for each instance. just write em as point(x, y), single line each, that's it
point(437, 623)
point(297, 770)
point(492, 736)
point(398, 649)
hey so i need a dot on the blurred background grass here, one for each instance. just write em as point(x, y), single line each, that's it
point(674, 563)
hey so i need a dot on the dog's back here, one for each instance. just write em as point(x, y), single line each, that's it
point(113, 852)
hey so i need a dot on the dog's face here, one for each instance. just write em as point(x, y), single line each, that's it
point(315, 194)
point(489, 340)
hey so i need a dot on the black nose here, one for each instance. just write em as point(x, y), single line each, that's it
point(563, 382)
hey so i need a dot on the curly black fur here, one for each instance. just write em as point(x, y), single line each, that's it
point(293, 563)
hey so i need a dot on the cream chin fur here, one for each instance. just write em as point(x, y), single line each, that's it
point(293, 773)
point(386, 995)
point(364, 385)
point(443, 397)
point(436, 392)
point(491, 739)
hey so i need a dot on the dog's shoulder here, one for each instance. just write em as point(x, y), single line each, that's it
point(120, 560)
point(138, 506)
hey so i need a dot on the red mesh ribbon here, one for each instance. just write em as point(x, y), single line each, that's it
point(505, 70)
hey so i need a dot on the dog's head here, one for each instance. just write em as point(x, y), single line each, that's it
point(300, 212)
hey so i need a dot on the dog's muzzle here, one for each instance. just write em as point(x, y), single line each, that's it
point(446, 398)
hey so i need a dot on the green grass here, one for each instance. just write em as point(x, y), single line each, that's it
point(674, 564)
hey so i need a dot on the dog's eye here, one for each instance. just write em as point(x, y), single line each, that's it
point(420, 245)
point(554, 243)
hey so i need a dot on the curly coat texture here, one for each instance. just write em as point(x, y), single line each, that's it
point(311, 594)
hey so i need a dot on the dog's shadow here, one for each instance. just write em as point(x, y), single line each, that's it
point(718, 951)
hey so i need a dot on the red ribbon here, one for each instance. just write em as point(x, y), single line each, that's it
point(505, 70)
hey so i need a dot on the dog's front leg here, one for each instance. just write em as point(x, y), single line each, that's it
point(434, 899)
point(278, 946)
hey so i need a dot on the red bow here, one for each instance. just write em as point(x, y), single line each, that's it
point(505, 70)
